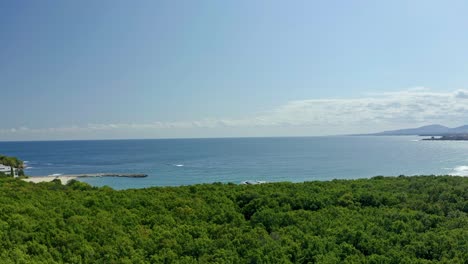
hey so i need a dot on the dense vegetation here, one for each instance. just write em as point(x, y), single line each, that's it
point(380, 220)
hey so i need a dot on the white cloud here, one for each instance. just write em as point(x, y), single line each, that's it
point(462, 94)
point(416, 106)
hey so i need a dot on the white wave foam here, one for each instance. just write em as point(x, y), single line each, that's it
point(460, 171)
point(56, 174)
point(179, 165)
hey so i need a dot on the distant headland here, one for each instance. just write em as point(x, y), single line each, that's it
point(434, 132)
point(449, 137)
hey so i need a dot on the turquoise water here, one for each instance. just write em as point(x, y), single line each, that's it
point(171, 162)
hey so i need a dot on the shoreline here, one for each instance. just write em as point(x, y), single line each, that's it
point(68, 177)
point(37, 179)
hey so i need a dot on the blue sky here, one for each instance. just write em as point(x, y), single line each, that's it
point(151, 69)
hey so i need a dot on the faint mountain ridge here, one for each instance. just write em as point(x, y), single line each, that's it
point(429, 130)
point(460, 130)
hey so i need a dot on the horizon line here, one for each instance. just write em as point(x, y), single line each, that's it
point(174, 138)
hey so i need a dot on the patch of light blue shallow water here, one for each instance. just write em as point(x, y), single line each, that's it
point(172, 162)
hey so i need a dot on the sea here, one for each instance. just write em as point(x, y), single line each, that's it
point(175, 162)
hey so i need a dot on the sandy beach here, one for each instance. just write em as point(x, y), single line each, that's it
point(64, 179)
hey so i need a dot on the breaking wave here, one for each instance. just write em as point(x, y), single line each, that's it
point(460, 171)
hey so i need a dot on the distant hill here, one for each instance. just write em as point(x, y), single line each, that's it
point(459, 130)
point(430, 130)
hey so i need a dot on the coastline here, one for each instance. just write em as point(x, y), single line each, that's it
point(66, 178)
point(37, 179)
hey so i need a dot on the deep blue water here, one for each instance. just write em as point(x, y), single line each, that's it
point(189, 161)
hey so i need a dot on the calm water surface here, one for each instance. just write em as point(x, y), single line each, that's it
point(189, 161)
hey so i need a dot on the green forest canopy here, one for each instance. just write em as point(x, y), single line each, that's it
point(419, 219)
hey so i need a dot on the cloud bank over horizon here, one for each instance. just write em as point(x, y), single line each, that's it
point(311, 117)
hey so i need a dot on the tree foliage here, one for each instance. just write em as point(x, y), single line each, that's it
point(12, 162)
point(380, 220)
